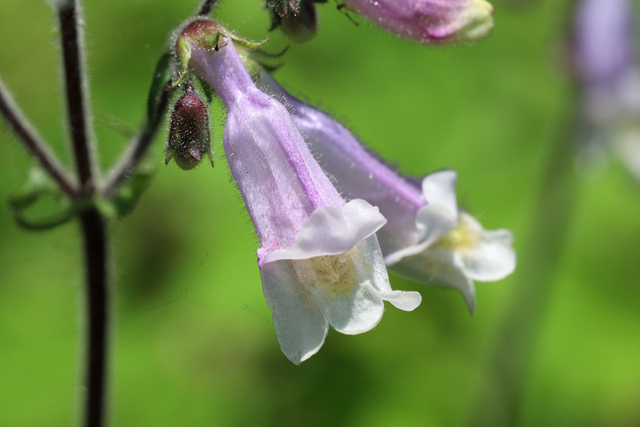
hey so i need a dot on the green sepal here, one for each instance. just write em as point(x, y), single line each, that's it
point(254, 59)
point(201, 87)
point(183, 51)
point(248, 43)
point(37, 191)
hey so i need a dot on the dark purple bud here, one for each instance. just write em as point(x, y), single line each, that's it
point(298, 20)
point(189, 136)
point(284, 7)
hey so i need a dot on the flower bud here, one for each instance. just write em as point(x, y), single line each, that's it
point(189, 132)
point(429, 21)
point(297, 21)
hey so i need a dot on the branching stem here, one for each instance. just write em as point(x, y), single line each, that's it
point(36, 146)
point(75, 81)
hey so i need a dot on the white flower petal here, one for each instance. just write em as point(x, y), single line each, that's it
point(300, 325)
point(432, 222)
point(346, 286)
point(493, 258)
point(440, 267)
point(439, 188)
point(358, 312)
point(403, 300)
point(435, 219)
point(331, 231)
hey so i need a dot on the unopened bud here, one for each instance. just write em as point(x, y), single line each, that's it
point(299, 22)
point(189, 132)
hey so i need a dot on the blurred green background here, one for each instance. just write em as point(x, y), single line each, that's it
point(193, 342)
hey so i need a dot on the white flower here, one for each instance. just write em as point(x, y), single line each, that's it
point(452, 248)
point(310, 286)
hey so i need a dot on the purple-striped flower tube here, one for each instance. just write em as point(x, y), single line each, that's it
point(319, 259)
point(427, 238)
point(429, 21)
point(604, 48)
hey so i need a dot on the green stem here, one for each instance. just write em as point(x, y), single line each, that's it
point(500, 399)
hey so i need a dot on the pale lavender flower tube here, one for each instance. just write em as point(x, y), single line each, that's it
point(427, 238)
point(429, 21)
point(606, 62)
point(319, 258)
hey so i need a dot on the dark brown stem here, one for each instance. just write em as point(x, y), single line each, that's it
point(75, 81)
point(97, 299)
point(206, 7)
point(92, 222)
point(36, 146)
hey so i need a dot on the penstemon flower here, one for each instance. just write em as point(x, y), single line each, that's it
point(429, 21)
point(606, 63)
point(319, 259)
point(427, 238)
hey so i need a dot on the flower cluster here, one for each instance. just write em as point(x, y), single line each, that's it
point(330, 216)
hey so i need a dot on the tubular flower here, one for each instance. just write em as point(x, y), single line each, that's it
point(427, 238)
point(605, 57)
point(319, 259)
point(429, 21)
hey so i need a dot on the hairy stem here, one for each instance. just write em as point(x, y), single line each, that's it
point(92, 222)
point(75, 81)
point(93, 228)
point(206, 7)
point(36, 146)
